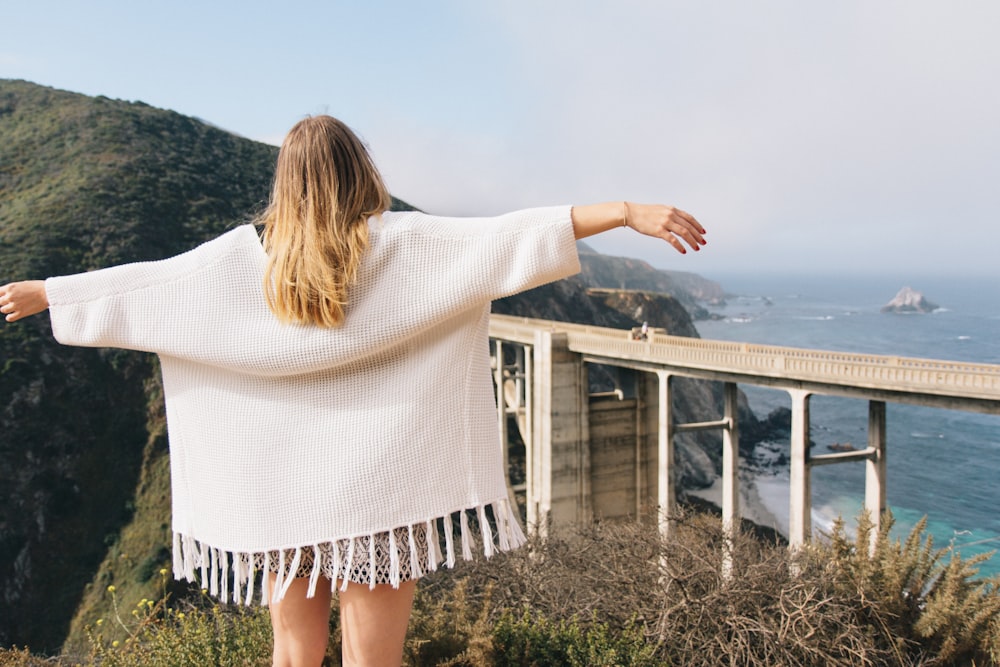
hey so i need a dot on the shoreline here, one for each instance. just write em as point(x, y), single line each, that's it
point(753, 489)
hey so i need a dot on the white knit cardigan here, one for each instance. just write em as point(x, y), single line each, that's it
point(290, 436)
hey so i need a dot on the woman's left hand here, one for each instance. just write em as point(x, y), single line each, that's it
point(22, 299)
point(666, 222)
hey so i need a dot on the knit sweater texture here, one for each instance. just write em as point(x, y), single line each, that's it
point(291, 436)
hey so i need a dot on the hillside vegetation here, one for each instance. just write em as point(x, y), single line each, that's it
point(617, 594)
point(87, 182)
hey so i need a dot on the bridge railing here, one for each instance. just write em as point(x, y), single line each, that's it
point(884, 372)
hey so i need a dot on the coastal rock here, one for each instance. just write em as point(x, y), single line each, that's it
point(909, 300)
point(627, 274)
point(658, 310)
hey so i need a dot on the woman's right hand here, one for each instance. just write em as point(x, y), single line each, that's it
point(22, 299)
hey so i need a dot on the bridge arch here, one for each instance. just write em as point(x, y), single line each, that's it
point(540, 372)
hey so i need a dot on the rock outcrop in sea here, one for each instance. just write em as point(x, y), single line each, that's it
point(909, 300)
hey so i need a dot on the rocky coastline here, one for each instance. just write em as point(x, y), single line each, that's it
point(763, 477)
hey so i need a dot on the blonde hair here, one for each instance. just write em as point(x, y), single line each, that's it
point(326, 186)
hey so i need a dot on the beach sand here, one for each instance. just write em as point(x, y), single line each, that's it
point(763, 499)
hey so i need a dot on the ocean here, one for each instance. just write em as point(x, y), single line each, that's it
point(942, 464)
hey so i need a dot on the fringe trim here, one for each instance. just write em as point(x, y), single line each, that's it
point(233, 574)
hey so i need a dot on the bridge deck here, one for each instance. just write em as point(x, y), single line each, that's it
point(932, 382)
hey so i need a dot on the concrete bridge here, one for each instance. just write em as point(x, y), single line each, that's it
point(590, 456)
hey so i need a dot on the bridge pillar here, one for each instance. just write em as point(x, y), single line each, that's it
point(559, 490)
point(875, 468)
point(666, 491)
point(730, 474)
point(800, 501)
point(730, 459)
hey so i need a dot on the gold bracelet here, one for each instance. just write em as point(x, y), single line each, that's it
point(624, 214)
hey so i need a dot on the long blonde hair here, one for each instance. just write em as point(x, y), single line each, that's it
point(326, 186)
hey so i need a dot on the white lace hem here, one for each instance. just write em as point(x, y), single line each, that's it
point(234, 575)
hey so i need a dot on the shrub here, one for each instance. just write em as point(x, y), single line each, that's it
point(927, 608)
point(532, 639)
point(175, 636)
point(618, 594)
point(15, 657)
point(450, 626)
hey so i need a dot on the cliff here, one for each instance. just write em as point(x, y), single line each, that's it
point(627, 274)
point(87, 182)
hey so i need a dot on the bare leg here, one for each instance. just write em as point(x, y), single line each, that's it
point(373, 623)
point(301, 625)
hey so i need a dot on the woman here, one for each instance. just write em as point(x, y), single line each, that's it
point(329, 400)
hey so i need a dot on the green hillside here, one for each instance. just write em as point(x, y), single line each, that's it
point(87, 182)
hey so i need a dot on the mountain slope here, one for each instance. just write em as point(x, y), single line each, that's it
point(625, 273)
point(87, 182)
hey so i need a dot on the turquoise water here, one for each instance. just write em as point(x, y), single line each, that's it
point(944, 464)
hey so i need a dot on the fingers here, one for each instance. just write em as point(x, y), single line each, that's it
point(7, 305)
point(671, 224)
point(677, 226)
point(21, 299)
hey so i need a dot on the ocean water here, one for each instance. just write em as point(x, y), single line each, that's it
point(942, 464)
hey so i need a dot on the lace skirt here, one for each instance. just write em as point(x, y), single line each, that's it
point(363, 560)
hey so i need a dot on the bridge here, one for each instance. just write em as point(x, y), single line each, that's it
point(606, 455)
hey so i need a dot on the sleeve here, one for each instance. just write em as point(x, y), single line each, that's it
point(139, 306)
point(208, 306)
point(490, 258)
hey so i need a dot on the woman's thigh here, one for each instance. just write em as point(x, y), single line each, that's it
point(301, 624)
point(373, 623)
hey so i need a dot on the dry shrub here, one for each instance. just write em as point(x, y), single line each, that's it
point(14, 657)
point(620, 573)
point(615, 593)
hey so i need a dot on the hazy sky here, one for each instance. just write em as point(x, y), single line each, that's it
point(858, 136)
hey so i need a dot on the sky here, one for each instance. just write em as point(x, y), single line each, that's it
point(852, 137)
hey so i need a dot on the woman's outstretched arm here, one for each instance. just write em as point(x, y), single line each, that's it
point(22, 299)
point(657, 220)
